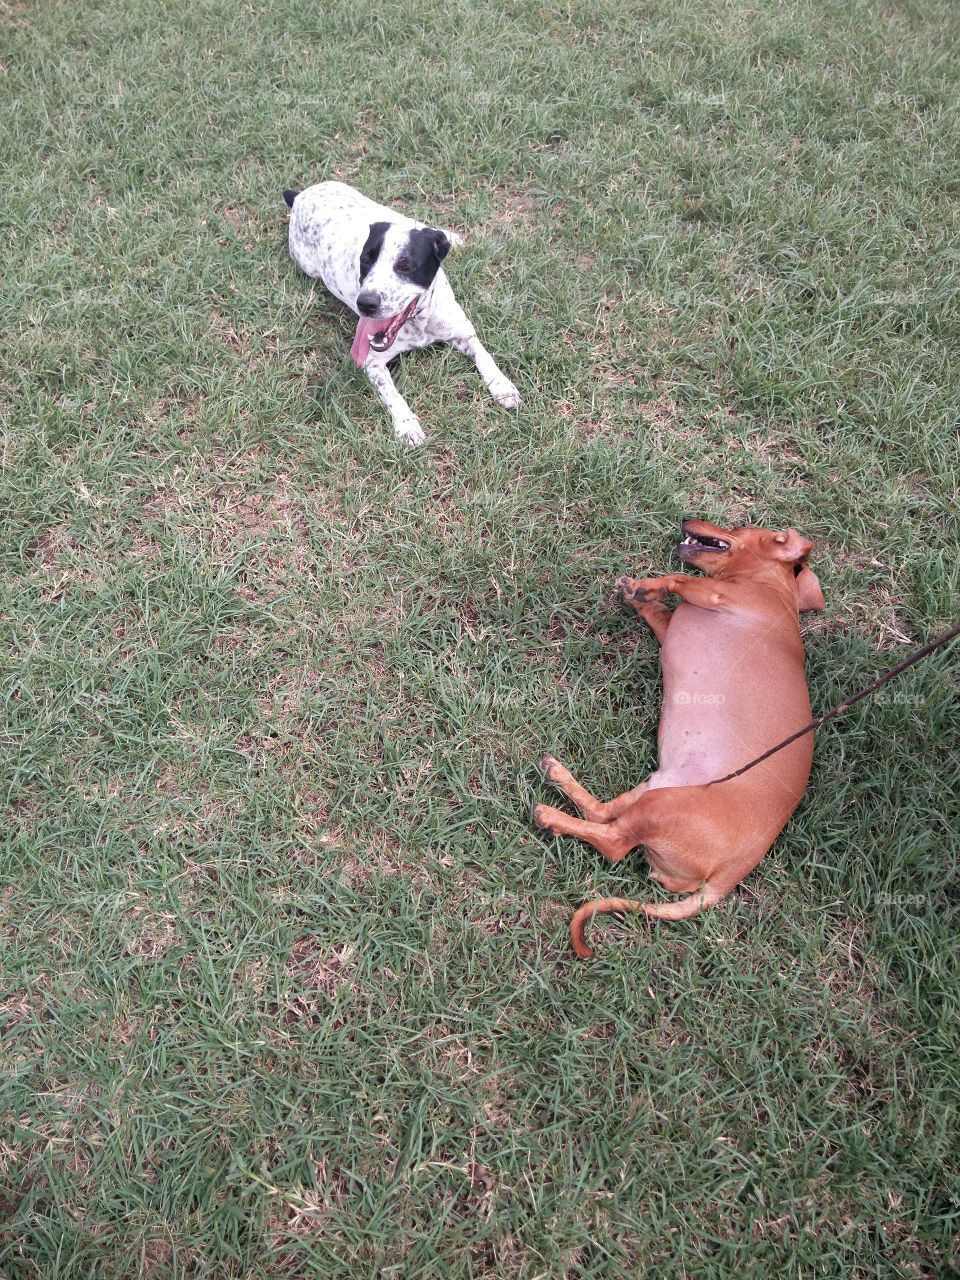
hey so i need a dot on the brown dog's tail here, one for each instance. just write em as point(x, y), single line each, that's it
point(705, 896)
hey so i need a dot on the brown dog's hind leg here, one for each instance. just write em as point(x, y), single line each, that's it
point(675, 850)
point(640, 822)
point(607, 838)
point(593, 809)
point(554, 772)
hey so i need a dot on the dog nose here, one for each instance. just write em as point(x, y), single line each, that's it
point(368, 302)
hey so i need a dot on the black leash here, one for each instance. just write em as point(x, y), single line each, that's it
point(844, 706)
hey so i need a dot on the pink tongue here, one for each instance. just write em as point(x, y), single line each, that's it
point(366, 329)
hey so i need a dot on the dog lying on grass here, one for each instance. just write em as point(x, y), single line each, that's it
point(386, 268)
point(733, 686)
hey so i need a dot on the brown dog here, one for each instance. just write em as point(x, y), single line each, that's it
point(733, 686)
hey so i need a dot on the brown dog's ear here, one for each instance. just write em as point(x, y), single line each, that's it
point(789, 545)
point(793, 548)
point(809, 595)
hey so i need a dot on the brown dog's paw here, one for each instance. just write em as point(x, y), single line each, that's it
point(546, 766)
point(645, 591)
point(630, 590)
point(540, 820)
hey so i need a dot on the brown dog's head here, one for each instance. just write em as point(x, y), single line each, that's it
point(722, 552)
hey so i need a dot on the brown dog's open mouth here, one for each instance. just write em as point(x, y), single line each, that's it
point(703, 542)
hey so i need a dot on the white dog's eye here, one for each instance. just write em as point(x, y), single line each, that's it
point(402, 265)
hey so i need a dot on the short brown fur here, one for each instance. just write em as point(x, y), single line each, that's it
point(733, 686)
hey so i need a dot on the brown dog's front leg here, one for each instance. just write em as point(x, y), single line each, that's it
point(637, 592)
point(702, 592)
point(655, 614)
point(657, 617)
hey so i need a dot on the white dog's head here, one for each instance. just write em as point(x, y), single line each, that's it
point(398, 264)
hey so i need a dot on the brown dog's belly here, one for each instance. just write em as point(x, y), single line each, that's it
point(698, 748)
point(730, 693)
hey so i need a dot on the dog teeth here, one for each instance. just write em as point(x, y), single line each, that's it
point(706, 544)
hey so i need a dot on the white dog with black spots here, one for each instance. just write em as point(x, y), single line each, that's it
point(386, 268)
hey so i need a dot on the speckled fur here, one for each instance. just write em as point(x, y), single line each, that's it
point(329, 224)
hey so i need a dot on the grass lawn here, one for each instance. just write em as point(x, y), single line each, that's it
point(285, 986)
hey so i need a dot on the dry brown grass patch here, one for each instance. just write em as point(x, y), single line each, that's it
point(152, 935)
point(316, 973)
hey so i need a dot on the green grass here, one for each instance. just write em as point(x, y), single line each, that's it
point(286, 988)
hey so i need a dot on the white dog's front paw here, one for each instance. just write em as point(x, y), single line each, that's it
point(409, 431)
point(505, 393)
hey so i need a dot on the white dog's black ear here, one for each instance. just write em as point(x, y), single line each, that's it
point(420, 261)
point(443, 242)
